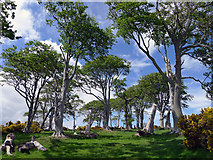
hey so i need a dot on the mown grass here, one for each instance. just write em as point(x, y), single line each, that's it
point(109, 145)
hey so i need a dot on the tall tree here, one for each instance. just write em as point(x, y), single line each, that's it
point(100, 75)
point(81, 38)
point(7, 10)
point(169, 23)
point(27, 70)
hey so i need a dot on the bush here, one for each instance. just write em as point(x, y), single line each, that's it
point(198, 129)
point(97, 128)
point(18, 127)
point(65, 129)
point(81, 128)
point(157, 127)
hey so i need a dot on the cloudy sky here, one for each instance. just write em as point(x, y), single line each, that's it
point(30, 24)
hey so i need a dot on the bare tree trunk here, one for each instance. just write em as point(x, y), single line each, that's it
point(161, 119)
point(168, 124)
point(51, 120)
point(137, 117)
point(150, 125)
point(130, 116)
point(141, 117)
point(45, 118)
point(119, 117)
point(175, 106)
point(29, 121)
point(74, 119)
point(126, 115)
point(59, 111)
point(106, 117)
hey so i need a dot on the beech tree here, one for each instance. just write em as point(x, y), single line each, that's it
point(27, 70)
point(176, 24)
point(81, 38)
point(100, 75)
point(7, 10)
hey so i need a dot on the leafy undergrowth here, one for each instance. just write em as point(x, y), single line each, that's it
point(109, 145)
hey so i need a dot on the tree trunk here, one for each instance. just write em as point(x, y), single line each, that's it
point(161, 119)
point(137, 117)
point(51, 120)
point(119, 117)
point(176, 107)
point(126, 115)
point(150, 125)
point(130, 116)
point(29, 121)
point(45, 118)
point(141, 117)
point(59, 111)
point(106, 117)
point(168, 124)
point(74, 119)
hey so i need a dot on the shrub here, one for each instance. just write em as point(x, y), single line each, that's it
point(97, 128)
point(198, 129)
point(156, 127)
point(65, 129)
point(81, 128)
point(18, 127)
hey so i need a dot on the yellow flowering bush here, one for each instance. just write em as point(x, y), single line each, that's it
point(81, 128)
point(19, 127)
point(97, 128)
point(198, 129)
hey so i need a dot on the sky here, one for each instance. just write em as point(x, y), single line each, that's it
point(30, 23)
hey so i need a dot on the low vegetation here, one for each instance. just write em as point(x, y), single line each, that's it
point(198, 129)
point(109, 145)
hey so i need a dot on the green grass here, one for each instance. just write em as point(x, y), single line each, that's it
point(110, 145)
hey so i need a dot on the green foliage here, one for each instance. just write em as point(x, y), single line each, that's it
point(18, 127)
point(198, 129)
point(79, 33)
point(7, 10)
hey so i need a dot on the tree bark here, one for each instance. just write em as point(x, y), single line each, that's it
point(137, 117)
point(126, 115)
point(45, 118)
point(74, 119)
point(141, 117)
point(29, 121)
point(168, 124)
point(150, 125)
point(51, 120)
point(161, 119)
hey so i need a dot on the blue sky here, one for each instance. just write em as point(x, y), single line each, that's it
point(30, 24)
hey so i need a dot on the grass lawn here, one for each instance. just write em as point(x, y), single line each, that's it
point(109, 145)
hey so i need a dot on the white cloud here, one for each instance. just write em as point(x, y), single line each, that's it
point(191, 64)
point(199, 101)
point(24, 21)
point(138, 65)
point(12, 105)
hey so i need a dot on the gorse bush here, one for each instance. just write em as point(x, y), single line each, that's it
point(81, 128)
point(198, 129)
point(18, 127)
point(97, 128)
